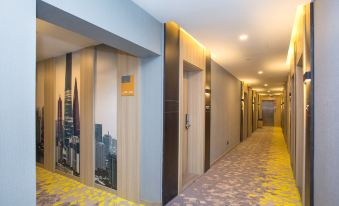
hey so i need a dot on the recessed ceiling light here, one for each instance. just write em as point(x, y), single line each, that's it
point(243, 37)
point(268, 91)
point(260, 72)
point(265, 85)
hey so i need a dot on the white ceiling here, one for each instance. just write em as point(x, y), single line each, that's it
point(53, 41)
point(217, 24)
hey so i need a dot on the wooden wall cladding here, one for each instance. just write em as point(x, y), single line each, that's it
point(182, 53)
point(87, 152)
point(49, 120)
point(192, 53)
point(129, 131)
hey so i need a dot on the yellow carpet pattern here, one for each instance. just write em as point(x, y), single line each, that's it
point(256, 172)
point(280, 187)
point(58, 190)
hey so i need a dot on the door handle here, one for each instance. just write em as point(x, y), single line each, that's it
point(188, 121)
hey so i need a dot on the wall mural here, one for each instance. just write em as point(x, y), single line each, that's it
point(39, 116)
point(68, 119)
point(105, 120)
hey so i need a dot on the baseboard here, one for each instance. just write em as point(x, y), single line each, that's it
point(149, 203)
point(223, 154)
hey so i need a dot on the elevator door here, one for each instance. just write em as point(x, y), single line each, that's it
point(268, 112)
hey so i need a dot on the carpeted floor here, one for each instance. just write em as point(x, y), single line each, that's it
point(256, 172)
point(54, 189)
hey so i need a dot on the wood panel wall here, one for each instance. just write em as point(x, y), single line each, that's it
point(192, 55)
point(87, 143)
point(129, 131)
point(49, 116)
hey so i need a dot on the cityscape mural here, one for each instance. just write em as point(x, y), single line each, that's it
point(39, 115)
point(105, 121)
point(67, 124)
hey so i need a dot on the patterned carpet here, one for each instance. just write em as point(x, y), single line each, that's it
point(54, 189)
point(256, 172)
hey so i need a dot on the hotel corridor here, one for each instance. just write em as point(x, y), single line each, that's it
point(256, 172)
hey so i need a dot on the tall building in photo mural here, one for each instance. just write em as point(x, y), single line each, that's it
point(105, 158)
point(68, 128)
point(39, 113)
point(40, 135)
point(105, 118)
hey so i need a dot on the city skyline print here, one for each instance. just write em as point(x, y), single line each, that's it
point(67, 124)
point(39, 113)
point(105, 120)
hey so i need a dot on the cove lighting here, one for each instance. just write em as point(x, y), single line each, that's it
point(243, 37)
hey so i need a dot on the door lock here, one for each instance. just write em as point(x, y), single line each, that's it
point(188, 121)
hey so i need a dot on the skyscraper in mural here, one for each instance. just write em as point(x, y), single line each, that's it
point(76, 116)
point(68, 115)
point(68, 127)
point(40, 135)
point(98, 133)
point(105, 158)
point(76, 127)
point(59, 132)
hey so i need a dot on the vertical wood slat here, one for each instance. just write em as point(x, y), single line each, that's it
point(49, 114)
point(128, 164)
point(87, 64)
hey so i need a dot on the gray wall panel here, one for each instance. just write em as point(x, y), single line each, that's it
point(326, 152)
point(17, 105)
point(225, 115)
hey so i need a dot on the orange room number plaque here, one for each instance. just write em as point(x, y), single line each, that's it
point(127, 85)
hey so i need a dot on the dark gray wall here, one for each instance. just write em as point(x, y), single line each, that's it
point(17, 105)
point(225, 114)
point(326, 151)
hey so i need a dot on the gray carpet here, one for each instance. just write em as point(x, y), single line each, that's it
point(256, 172)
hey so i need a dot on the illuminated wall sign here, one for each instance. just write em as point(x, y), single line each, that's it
point(127, 85)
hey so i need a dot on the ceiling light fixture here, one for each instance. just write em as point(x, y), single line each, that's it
point(265, 85)
point(260, 72)
point(243, 37)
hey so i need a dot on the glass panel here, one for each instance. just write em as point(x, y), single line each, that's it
point(106, 119)
point(67, 114)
